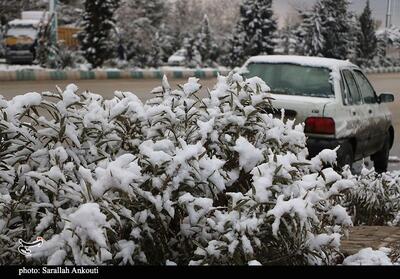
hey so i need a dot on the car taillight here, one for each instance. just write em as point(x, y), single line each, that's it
point(320, 125)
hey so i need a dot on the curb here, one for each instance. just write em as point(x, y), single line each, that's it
point(34, 74)
point(382, 70)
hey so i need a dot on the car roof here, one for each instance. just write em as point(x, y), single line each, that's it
point(26, 22)
point(333, 64)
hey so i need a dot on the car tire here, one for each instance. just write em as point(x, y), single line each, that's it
point(345, 155)
point(381, 158)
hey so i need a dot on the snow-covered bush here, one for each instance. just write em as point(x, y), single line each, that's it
point(375, 199)
point(176, 180)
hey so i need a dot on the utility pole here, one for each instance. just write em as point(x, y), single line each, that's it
point(389, 14)
point(53, 18)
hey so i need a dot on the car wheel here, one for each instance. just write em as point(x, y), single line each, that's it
point(381, 158)
point(345, 155)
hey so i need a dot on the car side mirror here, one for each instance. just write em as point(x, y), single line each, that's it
point(386, 98)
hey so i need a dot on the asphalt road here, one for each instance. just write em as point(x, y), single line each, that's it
point(381, 82)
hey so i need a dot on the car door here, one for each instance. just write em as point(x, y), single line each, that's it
point(376, 117)
point(356, 126)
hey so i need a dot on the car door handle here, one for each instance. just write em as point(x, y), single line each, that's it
point(354, 113)
point(370, 111)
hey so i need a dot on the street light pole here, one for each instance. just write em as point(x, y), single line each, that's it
point(53, 23)
point(389, 14)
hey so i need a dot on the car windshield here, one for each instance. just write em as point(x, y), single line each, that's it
point(291, 79)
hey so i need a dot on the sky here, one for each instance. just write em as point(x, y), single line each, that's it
point(285, 8)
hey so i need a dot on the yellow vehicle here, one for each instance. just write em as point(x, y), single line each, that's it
point(20, 41)
point(22, 35)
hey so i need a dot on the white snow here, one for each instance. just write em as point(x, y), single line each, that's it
point(368, 256)
point(154, 156)
point(254, 263)
point(20, 103)
point(249, 156)
point(57, 258)
point(88, 221)
point(6, 67)
point(170, 263)
point(256, 83)
point(24, 22)
point(340, 215)
point(127, 248)
point(297, 206)
point(324, 239)
point(331, 175)
point(117, 174)
point(191, 86)
point(262, 181)
point(333, 64)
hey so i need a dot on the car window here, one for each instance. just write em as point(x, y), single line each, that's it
point(293, 79)
point(352, 87)
point(345, 92)
point(367, 91)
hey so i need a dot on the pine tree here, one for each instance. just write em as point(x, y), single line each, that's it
point(206, 45)
point(254, 32)
point(98, 25)
point(326, 30)
point(140, 23)
point(236, 47)
point(353, 38)
point(367, 40)
point(336, 28)
point(193, 55)
point(311, 35)
point(155, 55)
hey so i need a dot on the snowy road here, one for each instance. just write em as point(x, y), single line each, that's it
point(381, 82)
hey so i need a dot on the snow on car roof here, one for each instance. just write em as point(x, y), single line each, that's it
point(24, 22)
point(330, 63)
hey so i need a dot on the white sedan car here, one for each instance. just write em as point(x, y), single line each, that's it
point(178, 58)
point(336, 102)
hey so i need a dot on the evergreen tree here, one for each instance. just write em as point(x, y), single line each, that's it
point(353, 38)
point(311, 35)
point(336, 27)
point(193, 55)
point(286, 40)
point(98, 25)
point(206, 45)
point(326, 30)
point(236, 47)
point(254, 32)
point(140, 23)
point(367, 40)
point(155, 55)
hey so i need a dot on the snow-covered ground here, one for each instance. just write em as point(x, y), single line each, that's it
point(368, 256)
point(6, 67)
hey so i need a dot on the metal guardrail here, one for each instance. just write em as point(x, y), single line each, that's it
point(37, 74)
